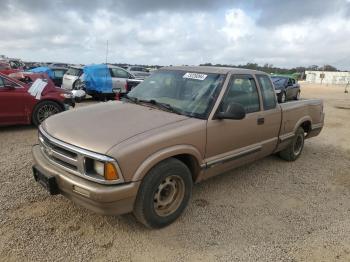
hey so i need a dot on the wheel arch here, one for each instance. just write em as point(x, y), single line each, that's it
point(304, 123)
point(187, 154)
point(42, 101)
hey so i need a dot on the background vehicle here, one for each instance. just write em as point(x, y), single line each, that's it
point(5, 68)
point(139, 72)
point(19, 106)
point(64, 65)
point(55, 73)
point(105, 81)
point(71, 76)
point(183, 125)
point(286, 88)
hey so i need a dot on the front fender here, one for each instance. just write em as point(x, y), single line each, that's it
point(163, 154)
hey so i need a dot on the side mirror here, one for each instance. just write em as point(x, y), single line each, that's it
point(234, 111)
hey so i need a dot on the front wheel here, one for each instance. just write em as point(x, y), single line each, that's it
point(164, 194)
point(43, 110)
point(293, 151)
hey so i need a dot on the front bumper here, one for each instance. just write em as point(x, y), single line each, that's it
point(69, 102)
point(102, 199)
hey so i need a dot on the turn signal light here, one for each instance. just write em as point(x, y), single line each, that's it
point(111, 172)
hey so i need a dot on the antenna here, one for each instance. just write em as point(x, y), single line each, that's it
point(107, 52)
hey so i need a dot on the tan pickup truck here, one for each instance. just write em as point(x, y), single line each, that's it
point(180, 126)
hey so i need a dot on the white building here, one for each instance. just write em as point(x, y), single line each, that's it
point(325, 77)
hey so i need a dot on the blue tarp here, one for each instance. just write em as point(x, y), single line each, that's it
point(43, 69)
point(98, 78)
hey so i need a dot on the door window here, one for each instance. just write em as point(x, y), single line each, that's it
point(267, 91)
point(58, 73)
point(4, 83)
point(119, 73)
point(242, 90)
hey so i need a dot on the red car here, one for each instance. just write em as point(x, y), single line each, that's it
point(30, 99)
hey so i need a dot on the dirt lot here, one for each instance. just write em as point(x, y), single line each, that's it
point(267, 211)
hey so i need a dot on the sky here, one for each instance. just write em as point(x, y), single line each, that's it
point(282, 33)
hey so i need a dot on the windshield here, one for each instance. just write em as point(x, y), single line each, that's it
point(191, 94)
point(279, 81)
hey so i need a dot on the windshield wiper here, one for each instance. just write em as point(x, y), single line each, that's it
point(160, 105)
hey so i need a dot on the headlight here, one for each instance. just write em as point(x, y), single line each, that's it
point(99, 168)
point(106, 170)
point(67, 95)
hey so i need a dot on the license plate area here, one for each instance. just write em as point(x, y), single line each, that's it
point(48, 182)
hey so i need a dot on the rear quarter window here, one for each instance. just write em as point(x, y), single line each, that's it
point(267, 92)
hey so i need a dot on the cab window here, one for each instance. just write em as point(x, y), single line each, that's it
point(119, 73)
point(2, 85)
point(242, 90)
point(267, 91)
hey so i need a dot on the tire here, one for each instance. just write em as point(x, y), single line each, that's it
point(297, 96)
point(44, 110)
point(295, 148)
point(282, 98)
point(164, 194)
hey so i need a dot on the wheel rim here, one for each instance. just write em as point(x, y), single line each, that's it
point(45, 111)
point(298, 95)
point(298, 144)
point(169, 195)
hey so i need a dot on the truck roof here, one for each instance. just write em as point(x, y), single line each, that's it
point(213, 69)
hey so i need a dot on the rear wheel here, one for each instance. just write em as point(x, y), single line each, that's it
point(44, 110)
point(297, 96)
point(293, 151)
point(163, 194)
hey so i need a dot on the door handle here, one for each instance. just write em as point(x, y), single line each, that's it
point(261, 120)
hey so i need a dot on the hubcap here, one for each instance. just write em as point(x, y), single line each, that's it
point(298, 144)
point(45, 111)
point(169, 195)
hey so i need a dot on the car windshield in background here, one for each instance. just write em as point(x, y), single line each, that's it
point(191, 94)
point(73, 71)
point(279, 81)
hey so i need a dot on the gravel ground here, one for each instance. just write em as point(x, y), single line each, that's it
point(270, 210)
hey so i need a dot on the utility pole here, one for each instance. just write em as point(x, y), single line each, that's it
point(107, 52)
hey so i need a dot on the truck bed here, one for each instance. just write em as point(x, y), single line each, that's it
point(307, 113)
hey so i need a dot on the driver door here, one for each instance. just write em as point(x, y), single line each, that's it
point(233, 142)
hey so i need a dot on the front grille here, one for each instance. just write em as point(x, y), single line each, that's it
point(61, 156)
point(74, 159)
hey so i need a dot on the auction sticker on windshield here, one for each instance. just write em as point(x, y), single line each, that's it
point(195, 76)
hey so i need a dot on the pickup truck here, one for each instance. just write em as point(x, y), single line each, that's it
point(178, 127)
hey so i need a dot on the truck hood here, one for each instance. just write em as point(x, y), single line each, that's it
point(99, 127)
